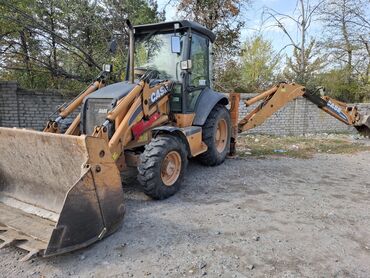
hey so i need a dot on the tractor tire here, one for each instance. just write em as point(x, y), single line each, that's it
point(162, 166)
point(216, 135)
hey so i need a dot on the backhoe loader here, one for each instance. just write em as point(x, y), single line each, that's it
point(61, 188)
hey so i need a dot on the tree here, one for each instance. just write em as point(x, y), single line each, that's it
point(312, 62)
point(258, 64)
point(138, 12)
point(302, 47)
point(346, 26)
point(333, 81)
point(338, 17)
point(45, 42)
point(230, 77)
point(254, 70)
point(223, 17)
point(17, 42)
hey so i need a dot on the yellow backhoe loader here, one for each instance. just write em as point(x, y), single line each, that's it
point(61, 189)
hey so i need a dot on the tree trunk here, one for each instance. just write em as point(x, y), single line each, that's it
point(367, 70)
point(347, 43)
point(26, 54)
point(303, 41)
point(53, 50)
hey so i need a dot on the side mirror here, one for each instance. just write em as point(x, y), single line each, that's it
point(175, 44)
point(112, 46)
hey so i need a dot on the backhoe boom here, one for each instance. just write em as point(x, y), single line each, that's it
point(280, 95)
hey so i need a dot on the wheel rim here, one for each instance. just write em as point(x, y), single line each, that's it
point(171, 168)
point(221, 135)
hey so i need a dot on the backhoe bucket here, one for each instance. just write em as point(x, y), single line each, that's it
point(363, 126)
point(58, 193)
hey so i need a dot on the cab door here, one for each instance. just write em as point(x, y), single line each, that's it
point(198, 77)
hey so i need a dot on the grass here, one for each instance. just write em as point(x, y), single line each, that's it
point(298, 146)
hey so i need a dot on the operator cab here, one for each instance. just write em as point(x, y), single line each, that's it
point(178, 51)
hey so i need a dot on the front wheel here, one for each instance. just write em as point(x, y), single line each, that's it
point(162, 166)
point(216, 135)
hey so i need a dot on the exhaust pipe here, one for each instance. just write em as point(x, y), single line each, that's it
point(132, 51)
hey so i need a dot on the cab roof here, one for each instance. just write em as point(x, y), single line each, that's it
point(169, 26)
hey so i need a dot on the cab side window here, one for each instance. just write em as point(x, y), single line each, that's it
point(200, 65)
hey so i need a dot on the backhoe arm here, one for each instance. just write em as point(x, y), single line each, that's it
point(341, 111)
point(272, 100)
point(278, 96)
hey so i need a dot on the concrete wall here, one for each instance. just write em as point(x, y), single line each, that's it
point(300, 117)
point(27, 108)
point(30, 109)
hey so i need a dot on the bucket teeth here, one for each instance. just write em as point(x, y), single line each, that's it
point(16, 243)
point(30, 255)
point(11, 237)
point(7, 243)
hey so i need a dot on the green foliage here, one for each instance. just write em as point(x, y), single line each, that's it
point(63, 44)
point(258, 64)
point(336, 86)
point(229, 78)
point(255, 69)
point(313, 63)
point(223, 17)
point(346, 39)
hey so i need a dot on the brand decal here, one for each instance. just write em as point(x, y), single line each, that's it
point(155, 96)
point(337, 110)
point(102, 111)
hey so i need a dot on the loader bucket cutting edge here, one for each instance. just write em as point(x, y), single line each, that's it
point(58, 193)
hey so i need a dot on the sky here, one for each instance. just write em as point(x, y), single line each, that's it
point(253, 20)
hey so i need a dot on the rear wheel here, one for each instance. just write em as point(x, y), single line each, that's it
point(216, 135)
point(162, 166)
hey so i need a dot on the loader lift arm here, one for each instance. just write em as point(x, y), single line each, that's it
point(67, 109)
point(133, 115)
point(278, 96)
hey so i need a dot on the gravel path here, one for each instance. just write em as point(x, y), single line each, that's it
point(276, 217)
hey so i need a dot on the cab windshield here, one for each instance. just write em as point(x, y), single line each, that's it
point(153, 52)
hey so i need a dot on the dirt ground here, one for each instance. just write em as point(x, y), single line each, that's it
point(250, 217)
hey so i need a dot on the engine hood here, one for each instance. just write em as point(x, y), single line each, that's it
point(96, 105)
point(115, 91)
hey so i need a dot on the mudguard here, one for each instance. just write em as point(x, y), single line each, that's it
point(207, 100)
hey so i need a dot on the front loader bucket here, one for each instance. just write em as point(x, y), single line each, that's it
point(58, 193)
